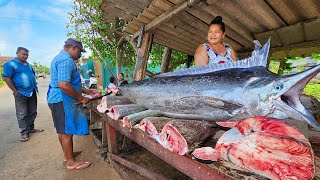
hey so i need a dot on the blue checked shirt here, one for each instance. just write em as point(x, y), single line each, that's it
point(22, 76)
point(63, 69)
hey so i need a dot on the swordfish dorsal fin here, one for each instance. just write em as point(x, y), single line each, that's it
point(258, 57)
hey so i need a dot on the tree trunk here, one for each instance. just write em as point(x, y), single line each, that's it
point(166, 60)
point(118, 51)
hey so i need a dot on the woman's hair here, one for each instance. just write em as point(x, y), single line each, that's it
point(112, 79)
point(218, 20)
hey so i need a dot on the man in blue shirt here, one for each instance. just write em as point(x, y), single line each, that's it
point(20, 78)
point(65, 100)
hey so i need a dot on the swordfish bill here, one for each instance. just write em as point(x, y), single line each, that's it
point(226, 92)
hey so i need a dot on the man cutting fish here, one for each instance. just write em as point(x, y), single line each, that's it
point(65, 100)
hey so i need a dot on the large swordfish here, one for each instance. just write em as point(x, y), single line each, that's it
point(226, 92)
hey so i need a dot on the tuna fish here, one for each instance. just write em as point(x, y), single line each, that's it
point(266, 146)
point(226, 92)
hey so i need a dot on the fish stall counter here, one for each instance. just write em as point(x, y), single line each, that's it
point(185, 164)
point(183, 136)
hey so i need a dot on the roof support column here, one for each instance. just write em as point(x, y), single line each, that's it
point(142, 57)
point(166, 60)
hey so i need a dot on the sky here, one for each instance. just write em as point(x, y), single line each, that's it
point(38, 25)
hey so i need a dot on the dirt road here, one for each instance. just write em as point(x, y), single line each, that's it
point(41, 157)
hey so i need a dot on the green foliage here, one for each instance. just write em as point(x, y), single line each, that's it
point(316, 56)
point(274, 66)
point(312, 90)
point(87, 23)
point(40, 68)
point(1, 71)
point(155, 56)
point(2, 83)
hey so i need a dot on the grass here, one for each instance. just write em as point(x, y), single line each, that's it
point(313, 89)
point(2, 83)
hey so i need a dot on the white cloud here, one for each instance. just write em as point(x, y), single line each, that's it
point(62, 2)
point(22, 32)
point(9, 10)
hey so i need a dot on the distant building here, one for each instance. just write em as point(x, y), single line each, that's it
point(4, 59)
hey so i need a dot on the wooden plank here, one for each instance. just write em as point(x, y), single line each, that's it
point(140, 3)
point(127, 6)
point(130, 30)
point(133, 27)
point(149, 14)
point(112, 139)
point(207, 18)
point(138, 168)
point(165, 60)
point(163, 4)
point(286, 34)
point(176, 2)
point(110, 12)
point(311, 29)
point(285, 10)
point(144, 19)
point(264, 36)
point(300, 49)
point(104, 141)
point(183, 33)
point(125, 175)
point(183, 40)
point(307, 9)
point(184, 164)
point(172, 44)
point(230, 8)
point(261, 11)
point(165, 16)
point(189, 31)
point(155, 10)
point(142, 57)
point(176, 39)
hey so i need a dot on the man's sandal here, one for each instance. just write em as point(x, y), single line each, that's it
point(36, 130)
point(78, 165)
point(24, 138)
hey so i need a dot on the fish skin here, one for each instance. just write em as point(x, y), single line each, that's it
point(228, 95)
point(232, 93)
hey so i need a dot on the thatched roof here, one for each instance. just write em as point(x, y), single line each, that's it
point(294, 25)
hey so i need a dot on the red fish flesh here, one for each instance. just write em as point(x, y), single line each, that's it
point(266, 146)
point(181, 136)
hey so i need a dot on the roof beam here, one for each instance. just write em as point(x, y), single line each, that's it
point(167, 15)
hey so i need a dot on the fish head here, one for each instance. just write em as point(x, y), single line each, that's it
point(279, 97)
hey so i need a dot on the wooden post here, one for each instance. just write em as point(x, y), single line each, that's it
point(118, 51)
point(189, 62)
point(166, 60)
point(112, 139)
point(118, 60)
point(142, 57)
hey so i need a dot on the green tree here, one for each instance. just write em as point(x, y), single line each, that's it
point(87, 23)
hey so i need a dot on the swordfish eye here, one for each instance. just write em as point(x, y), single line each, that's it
point(278, 85)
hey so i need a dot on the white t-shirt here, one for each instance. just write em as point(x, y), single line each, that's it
point(112, 86)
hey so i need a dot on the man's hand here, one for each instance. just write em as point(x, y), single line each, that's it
point(84, 100)
point(90, 91)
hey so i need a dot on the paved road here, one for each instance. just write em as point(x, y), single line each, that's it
point(9, 131)
point(41, 157)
